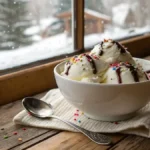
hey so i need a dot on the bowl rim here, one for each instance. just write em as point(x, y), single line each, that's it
point(96, 84)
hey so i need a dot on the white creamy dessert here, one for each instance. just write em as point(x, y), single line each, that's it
point(124, 73)
point(112, 52)
point(85, 68)
point(108, 63)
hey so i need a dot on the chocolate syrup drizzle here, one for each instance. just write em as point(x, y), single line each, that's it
point(68, 68)
point(122, 49)
point(133, 71)
point(148, 71)
point(119, 75)
point(89, 58)
point(101, 52)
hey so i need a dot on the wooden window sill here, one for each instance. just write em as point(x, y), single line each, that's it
point(40, 78)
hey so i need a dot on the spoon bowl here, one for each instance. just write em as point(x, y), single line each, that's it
point(37, 107)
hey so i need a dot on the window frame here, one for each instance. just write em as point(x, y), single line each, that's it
point(39, 78)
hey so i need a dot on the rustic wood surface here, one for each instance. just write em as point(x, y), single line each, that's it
point(45, 139)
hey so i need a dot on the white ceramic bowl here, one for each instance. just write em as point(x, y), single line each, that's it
point(105, 102)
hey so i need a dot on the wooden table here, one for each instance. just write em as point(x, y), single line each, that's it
point(16, 137)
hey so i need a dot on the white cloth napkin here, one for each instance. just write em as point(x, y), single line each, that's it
point(138, 125)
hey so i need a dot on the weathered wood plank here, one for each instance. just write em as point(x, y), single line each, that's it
point(32, 136)
point(91, 145)
point(8, 111)
point(35, 140)
point(133, 143)
point(8, 128)
point(26, 135)
point(74, 141)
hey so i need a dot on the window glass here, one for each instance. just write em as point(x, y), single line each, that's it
point(116, 19)
point(32, 30)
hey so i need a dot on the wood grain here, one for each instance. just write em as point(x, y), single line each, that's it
point(78, 15)
point(26, 135)
point(26, 82)
point(30, 136)
point(133, 143)
point(72, 141)
point(8, 111)
point(39, 139)
point(138, 46)
point(35, 140)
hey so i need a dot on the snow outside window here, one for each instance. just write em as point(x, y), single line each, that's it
point(115, 19)
point(33, 30)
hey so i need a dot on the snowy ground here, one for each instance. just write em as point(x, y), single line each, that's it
point(57, 45)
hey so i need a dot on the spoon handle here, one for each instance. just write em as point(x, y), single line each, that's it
point(94, 136)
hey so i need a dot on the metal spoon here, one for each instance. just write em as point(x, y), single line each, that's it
point(41, 109)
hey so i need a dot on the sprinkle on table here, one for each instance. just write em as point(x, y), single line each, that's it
point(2, 128)
point(15, 133)
point(24, 129)
point(5, 136)
point(19, 139)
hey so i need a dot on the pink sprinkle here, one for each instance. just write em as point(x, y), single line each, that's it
point(76, 114)
point(29, 113)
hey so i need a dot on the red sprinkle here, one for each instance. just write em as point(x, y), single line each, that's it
point(15, 133)
point(75, 119)
point(116, 122)
point(24, 129)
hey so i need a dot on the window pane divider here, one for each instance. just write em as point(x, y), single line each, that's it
point(78, 24)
